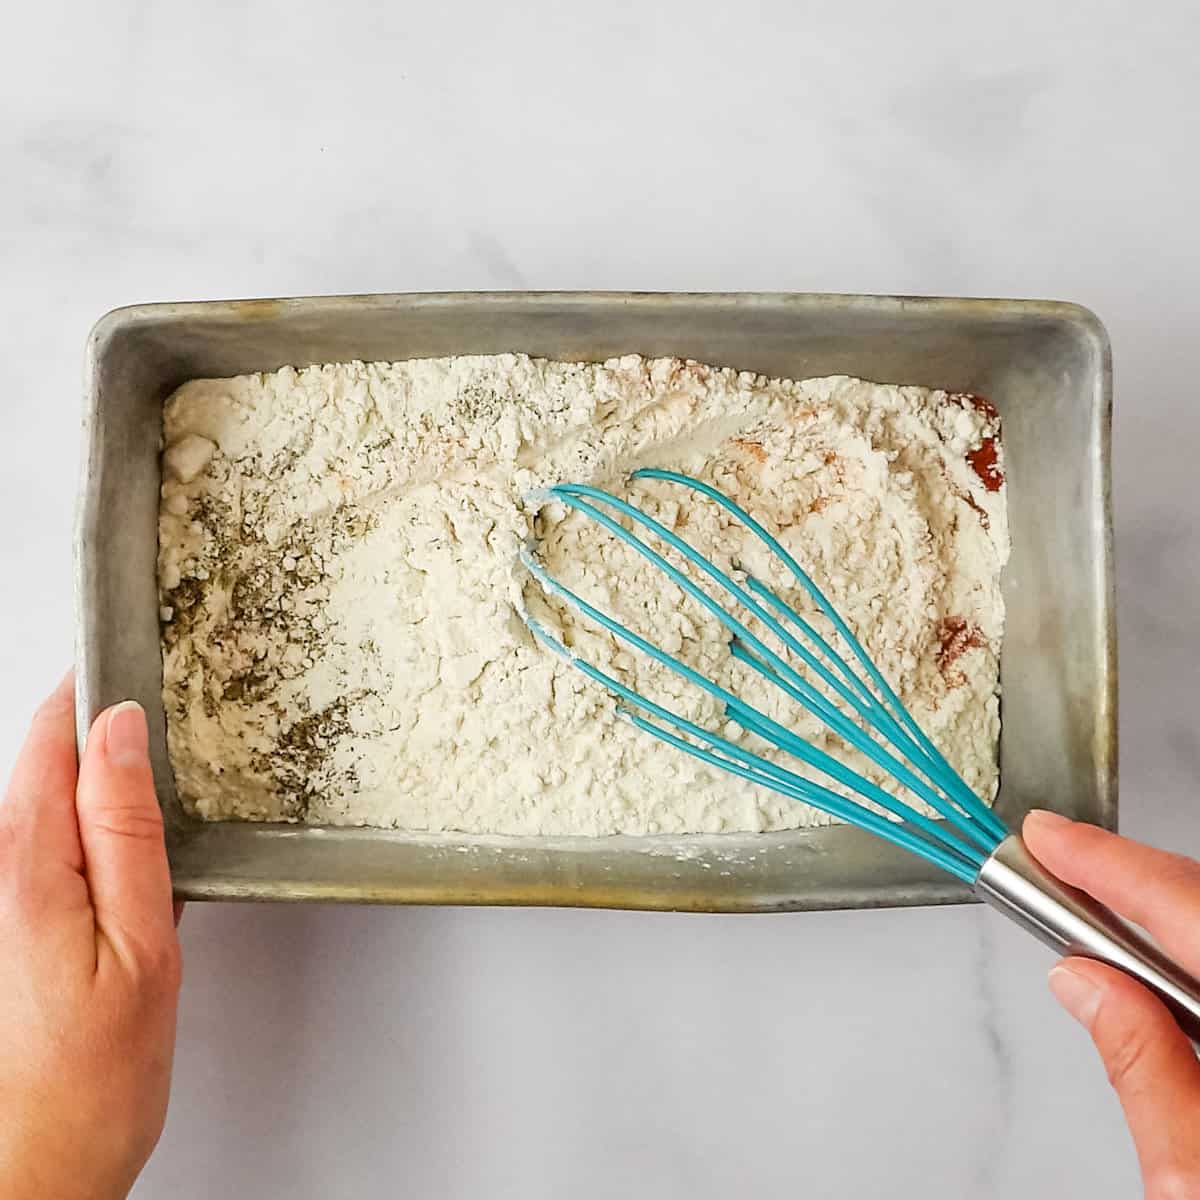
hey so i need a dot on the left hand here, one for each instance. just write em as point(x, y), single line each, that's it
point(89, 959)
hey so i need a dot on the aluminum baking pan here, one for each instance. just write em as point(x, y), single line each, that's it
point(1044, 365)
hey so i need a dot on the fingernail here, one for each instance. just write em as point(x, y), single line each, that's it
point(1077, 994)
point(1047, 819)
point(127, 739)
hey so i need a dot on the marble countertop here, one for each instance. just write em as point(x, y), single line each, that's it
point(153, 152)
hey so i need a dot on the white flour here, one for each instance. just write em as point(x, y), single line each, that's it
point(340, 586)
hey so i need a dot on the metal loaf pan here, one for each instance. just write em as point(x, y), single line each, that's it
point(1045, 366)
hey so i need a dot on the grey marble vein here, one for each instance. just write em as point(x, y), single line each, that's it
point(998, 1083)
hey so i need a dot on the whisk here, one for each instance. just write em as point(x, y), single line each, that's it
point(966, 838)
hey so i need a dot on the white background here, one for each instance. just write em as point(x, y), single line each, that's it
point(153, 151)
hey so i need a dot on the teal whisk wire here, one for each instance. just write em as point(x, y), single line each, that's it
point(774, 669)
point(955, 782)
point(958, 843)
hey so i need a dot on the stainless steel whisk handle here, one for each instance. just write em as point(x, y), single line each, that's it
point(1071, 922)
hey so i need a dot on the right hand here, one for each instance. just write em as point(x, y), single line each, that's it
point(1149, 1061)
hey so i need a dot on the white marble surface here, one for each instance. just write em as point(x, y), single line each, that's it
point(155, 151)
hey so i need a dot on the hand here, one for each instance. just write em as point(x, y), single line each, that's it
point(89, 959)
point(1149, 1061)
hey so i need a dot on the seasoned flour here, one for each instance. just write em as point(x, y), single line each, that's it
point(341, 592)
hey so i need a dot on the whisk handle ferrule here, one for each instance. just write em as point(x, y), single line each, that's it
point(1071, 922)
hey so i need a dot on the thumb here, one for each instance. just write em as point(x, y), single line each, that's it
point(1149, 1062)
point(121, 831)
